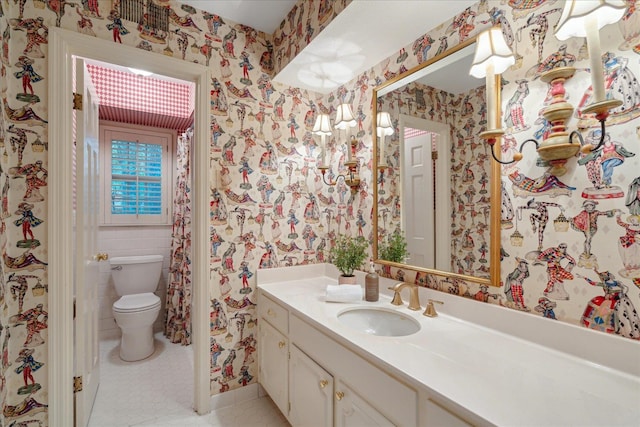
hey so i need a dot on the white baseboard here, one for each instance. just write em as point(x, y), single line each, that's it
point(234, 397)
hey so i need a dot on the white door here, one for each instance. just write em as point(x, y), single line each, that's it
point(417, 195)
point(310, 392)
point(86, 363)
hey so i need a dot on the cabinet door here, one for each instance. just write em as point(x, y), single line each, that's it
point(273, 358)
point(310, 392)
point(352, 410)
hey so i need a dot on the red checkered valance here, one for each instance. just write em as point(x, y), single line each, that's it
point(119, 90)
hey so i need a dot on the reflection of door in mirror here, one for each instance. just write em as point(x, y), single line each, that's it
point(425, 188)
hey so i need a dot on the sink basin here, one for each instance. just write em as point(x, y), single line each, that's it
point(379, 321)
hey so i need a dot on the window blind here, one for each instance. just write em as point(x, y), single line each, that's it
point(136, 178)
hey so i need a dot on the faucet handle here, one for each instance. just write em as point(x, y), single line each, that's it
point(430, 311)
point(397, 299)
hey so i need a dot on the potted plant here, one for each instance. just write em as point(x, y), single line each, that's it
point(394, 248)
point(347, 254)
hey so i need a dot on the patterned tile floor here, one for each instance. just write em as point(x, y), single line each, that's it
point(159, 392)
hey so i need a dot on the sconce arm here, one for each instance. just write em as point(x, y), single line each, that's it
point(516, 157)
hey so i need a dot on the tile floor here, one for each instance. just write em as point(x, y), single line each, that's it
point(159, 392)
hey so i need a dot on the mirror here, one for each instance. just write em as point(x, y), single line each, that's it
point(437, 185)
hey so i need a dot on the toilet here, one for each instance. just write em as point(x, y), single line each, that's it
point(135, 279)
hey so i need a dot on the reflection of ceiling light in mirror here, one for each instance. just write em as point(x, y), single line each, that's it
point(139, 72)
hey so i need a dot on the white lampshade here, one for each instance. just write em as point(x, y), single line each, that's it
point(491, 49)
point(577, 13)
point(344, 117)
point(322, 126)
point(383, 124)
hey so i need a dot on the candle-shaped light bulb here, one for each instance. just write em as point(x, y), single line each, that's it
point(595, 59)
point(585, 18)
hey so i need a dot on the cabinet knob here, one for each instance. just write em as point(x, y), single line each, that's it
point(323, 383)
point(339, 395)
point(270, 312)
point(281, 344)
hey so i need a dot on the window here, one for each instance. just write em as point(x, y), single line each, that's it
point(136, 175)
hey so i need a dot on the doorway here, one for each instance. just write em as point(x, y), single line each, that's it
point(425, 191)
point(63, 46)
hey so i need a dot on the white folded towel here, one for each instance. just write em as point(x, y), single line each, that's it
point(343, 293)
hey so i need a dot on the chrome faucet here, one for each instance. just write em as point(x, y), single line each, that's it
point(414, 301)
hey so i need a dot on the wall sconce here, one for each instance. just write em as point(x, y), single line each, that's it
point(344, 120)
point(493, 56)
point(384, 127)
point(585, 18)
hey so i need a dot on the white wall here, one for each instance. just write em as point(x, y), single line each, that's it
point(128, 241)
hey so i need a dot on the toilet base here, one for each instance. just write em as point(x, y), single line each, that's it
point(136, 343)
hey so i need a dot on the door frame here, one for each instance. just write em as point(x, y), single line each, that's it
point(63, 44)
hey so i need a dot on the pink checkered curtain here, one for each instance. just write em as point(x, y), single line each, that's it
point(178, 319)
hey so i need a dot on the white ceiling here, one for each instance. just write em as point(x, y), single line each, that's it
point(263, 15)
point(361, 36)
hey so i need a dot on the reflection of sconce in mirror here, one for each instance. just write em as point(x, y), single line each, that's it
point(585, 18)
point(384, 128)
point(344, 120)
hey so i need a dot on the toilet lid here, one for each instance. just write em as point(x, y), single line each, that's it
point(136, 302)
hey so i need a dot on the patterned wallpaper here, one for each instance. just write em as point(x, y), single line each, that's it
point(271, 208)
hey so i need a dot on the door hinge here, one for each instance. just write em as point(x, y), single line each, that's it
point(77, 101)
point(434, 155)
point(77, 384)
point(289, 406)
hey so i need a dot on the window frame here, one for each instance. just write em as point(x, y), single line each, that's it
point(124, 132)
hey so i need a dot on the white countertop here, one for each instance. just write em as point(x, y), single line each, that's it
point(503, 380)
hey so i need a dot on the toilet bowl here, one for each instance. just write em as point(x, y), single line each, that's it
point(135, 278)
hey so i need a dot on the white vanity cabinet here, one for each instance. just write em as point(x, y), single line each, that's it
point(310, 391)
point(317, 381)
point(273, 352)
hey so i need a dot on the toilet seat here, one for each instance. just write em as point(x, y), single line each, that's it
point(136, 303)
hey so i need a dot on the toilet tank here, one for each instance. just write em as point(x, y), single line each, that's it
point(136, 274)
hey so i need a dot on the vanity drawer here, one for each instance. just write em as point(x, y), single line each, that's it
point(273, 313)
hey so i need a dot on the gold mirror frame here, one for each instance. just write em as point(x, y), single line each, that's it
point(494, 218)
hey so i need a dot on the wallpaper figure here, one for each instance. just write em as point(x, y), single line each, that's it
point(514, 119)
point(227, 365)
point(217, 318)
point(27, 367)
point(37, 33)
point(539, 31)
point(117, 27)
point(539, 220)
point(633, 197)
point(559, 58)
point(630, 26)
point(606, 158)
point(614, 312)
point(216, 351)
point(245, 275)
point(506, 208)
point(620, 83)
point(227, 258)
point(309, 237)
point(513, 285)
point(629, 245)
point(559, 266)
point(19, 142)
point(27, 220)
point(586, 222)
point(546, 306)
point(28, 76)
point(546, 184)
point(36, 320)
